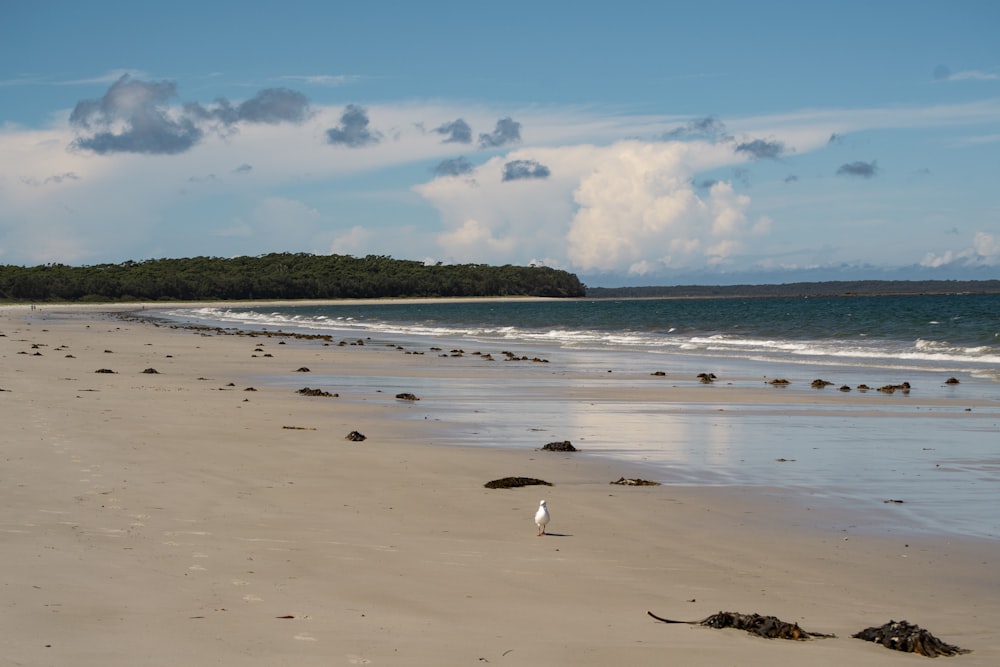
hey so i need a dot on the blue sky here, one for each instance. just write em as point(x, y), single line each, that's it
point(627, 142)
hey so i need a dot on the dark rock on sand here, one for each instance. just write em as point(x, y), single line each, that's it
point(909, 638)
point(564, 446)
point(355, 436)
point(951, 381)
point(820, 384)
point(151, 371)
point(302, 369)
point(406, 396)
point(104, 370)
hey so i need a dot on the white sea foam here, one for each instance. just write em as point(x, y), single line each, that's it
point(859, 350)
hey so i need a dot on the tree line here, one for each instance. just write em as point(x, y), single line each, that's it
point(279, 276)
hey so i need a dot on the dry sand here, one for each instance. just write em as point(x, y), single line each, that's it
point(173, 518)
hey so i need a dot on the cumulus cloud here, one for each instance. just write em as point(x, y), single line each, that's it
point(859, 168)
point(454, 167)
point(661, 224)
point(271, 106)
point(985, 251)
point(134, 117)
point(507, 131)
point(791, 178)
point(758, 149)
point(457, 131)
point(274, 105)
point(353, 130)
point(518, 170)
point(625, 206)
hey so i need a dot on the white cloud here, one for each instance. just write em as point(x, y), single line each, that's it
point(987, 246)
point(628, 206)
point(972, 75)
point(601, 203)
point(985, 251)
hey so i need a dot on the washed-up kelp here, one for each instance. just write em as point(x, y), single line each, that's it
point(306, 391)
point(770, 627)
point(634, 481)
point(909, 638)
point(514, 482)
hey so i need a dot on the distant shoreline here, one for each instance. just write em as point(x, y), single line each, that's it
point(837, 288)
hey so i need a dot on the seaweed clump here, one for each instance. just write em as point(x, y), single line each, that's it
point(515, 482)
point(908, 638)
point(770, 627)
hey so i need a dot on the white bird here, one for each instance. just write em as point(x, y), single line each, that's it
point(542, 517)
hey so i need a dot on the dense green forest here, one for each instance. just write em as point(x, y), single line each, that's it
point(830, 288)
point(279, 276)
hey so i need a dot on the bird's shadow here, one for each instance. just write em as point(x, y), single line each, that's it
point(557, 535)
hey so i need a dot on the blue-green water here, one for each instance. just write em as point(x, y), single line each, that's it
point(959, 333)
point(937, 448)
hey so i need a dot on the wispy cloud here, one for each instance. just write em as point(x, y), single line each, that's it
point(107, 78)
point(944, 73)
point(327, 80)
point(977, 140)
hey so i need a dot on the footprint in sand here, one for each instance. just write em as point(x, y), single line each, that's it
point(357, 660)
point(305, 637)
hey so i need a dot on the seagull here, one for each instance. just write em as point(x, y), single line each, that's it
point(542, 517)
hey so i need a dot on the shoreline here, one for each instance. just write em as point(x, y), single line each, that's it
point(156, 517)
point(762, 411)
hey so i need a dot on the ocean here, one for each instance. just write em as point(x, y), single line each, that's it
point(935, 448)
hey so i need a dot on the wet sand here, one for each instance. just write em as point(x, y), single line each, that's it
point(181, 517)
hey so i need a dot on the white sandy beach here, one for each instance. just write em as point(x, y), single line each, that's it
point(177, 517)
